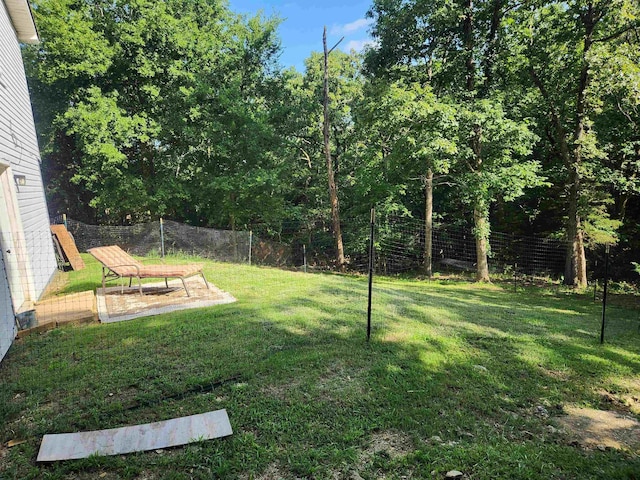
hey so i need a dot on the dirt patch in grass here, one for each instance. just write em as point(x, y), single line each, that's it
point(600, 428)
point(394, 444)
point(22, 426)
point(388, 444)
point(632, 402)
point(3, 453)
point(560, 375)
point(107, 476)
point(624, 398)
point(396, 337)
point(127, 396)
point(146, 475)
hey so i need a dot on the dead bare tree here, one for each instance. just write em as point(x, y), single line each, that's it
point(333, 189)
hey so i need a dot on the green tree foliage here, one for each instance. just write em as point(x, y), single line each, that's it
point(407, 137)
point(521, 113)
point(578, 55)
point(160, 107)
point(405, 130)
point(456, 47)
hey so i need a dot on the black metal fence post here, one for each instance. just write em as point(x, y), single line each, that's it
point(595, 281)
point(304, 257)
point(161, 237)
point(604, 292)
point(371, 255)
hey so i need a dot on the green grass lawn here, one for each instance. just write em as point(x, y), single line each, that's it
point(450, 380)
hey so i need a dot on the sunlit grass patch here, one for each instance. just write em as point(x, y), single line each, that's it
point(456, 376)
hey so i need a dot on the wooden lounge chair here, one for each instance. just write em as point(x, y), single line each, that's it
point(116, 263)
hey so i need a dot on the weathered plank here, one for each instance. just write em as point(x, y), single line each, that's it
point(137, 438)
point(68, 246)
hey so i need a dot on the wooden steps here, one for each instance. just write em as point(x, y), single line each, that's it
point(69, 309)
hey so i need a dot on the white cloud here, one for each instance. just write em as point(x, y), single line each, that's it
point(351, 27)
point(359, 45)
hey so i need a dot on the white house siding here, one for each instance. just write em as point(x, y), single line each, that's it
point(7, 324)
point(19, 148)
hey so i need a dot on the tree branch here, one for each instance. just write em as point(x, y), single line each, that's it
point(306, 156)
point(614, 35)
point(333, 48)
point(625, 113)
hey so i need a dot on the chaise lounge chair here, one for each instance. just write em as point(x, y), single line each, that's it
point(116, 264)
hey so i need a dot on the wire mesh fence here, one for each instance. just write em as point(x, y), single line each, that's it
point(149, 345)
point(401, 248)
point(42, 288)
point(166, 237)
point(173, 238)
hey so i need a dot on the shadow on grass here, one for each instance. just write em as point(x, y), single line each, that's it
point(467, 365)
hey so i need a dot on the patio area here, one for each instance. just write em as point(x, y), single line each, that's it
point(121, 302)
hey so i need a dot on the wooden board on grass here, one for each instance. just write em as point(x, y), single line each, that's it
point(69, 249)
point(136, 438)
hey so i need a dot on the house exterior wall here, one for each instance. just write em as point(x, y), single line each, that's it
point(19, 147)
point(26, 218)
point(7, 324)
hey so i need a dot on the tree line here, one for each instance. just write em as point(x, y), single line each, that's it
point(513, 115)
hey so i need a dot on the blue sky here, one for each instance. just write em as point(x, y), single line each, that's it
point(302, 23)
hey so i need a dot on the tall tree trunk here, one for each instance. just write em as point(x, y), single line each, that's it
point(624, 200)
point(581, 259)
point(333, 189)
point(428, 223)
point(575, 270)
point(575, 262)
point(480, 214)
point(481, 224)
point(575, 267)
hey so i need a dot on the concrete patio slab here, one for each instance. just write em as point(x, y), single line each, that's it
point(120, 303)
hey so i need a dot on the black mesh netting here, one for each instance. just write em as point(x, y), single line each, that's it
point(401, 249)
point(147, 239)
